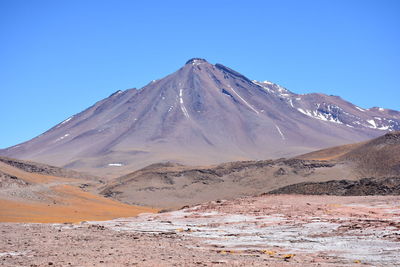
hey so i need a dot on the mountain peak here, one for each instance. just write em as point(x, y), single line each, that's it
point(202, 113)
point(195, 60)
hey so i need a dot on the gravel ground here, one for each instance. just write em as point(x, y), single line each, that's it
point(269, 230)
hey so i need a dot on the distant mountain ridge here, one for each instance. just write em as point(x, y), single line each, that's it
point(374, 158)
point(201, 114)
point(366, 168)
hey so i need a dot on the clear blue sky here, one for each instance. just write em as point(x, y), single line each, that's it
point(59, 57)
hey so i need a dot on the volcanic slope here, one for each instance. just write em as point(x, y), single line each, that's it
point(378, 157)
point(173, 186)
point(202, 114)
point(369, 168)
point(378, 160)
point(33, 192)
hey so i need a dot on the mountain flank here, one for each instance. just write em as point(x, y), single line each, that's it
point(364, 168)
point(378, 157)
point(202, 114)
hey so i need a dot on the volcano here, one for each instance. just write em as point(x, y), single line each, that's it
point(201, 114)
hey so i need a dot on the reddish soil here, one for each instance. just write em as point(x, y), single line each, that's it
point(68, 204)
point(43, 198)
point(280, 230)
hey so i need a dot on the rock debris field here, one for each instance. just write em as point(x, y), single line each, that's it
point(274, 230)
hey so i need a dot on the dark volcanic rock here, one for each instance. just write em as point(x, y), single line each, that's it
point(7, 180)
point(40, 168)
point(363, 187)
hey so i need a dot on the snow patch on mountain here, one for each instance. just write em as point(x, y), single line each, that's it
point(62, 137)
point(320, 115)
point(115, 164)
point(372, 122)
point(183, 108)
point(280, 132)
point(244, 101)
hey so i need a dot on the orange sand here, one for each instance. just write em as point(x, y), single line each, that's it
point(64, 203)
point(76, 206)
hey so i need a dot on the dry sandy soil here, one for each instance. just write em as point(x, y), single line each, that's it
point(39, 197)
point(275, 230)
